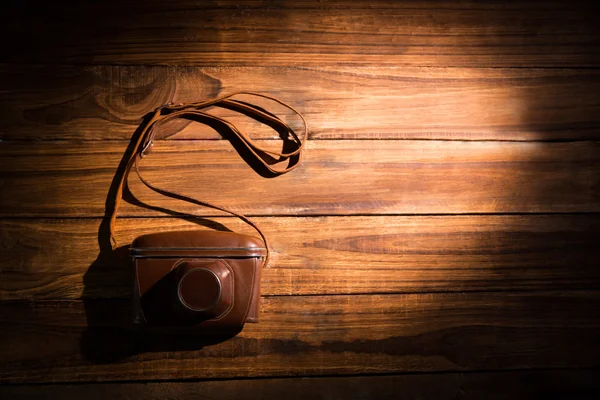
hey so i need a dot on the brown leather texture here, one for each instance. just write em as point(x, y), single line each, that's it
point(198, 240)
point(207, 293)
point(208, 282)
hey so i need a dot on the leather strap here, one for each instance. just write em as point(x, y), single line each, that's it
point(266, 157)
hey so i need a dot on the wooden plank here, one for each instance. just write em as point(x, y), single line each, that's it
point(107, 102)
point(516, 385)
point(307, 336)
point(379, 177)
point(307, 33)
point(61, 259)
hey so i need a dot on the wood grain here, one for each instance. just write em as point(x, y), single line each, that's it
point(379, 177)
point(420, 111)
point(61, 259)
point(525, 385)
point(442, 33)
point(107, 102)
point(308, 335)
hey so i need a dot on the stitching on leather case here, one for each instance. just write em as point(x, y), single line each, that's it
point(251, 293)
point(253, 319)
point(226, 312)
point(212, 261)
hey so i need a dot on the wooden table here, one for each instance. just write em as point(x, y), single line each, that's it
point(438, 241)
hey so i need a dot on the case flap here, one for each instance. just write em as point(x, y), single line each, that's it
point(197, 244)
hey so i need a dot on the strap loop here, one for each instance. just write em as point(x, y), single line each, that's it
point(266, 157)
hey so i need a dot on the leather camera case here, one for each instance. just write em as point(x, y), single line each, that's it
point(204, 281)
point(201, 279)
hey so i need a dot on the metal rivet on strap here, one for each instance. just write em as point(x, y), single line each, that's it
point(146, 147)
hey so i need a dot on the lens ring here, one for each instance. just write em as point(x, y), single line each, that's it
point(217, 297)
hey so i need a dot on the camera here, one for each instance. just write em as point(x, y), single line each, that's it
point(201, 280)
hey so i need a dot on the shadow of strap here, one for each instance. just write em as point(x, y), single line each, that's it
point(292, 149)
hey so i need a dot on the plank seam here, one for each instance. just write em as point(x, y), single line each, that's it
point(399, 139)
point(167, 64)
point(211, 216)
point(592, 290)
point(324, 376)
